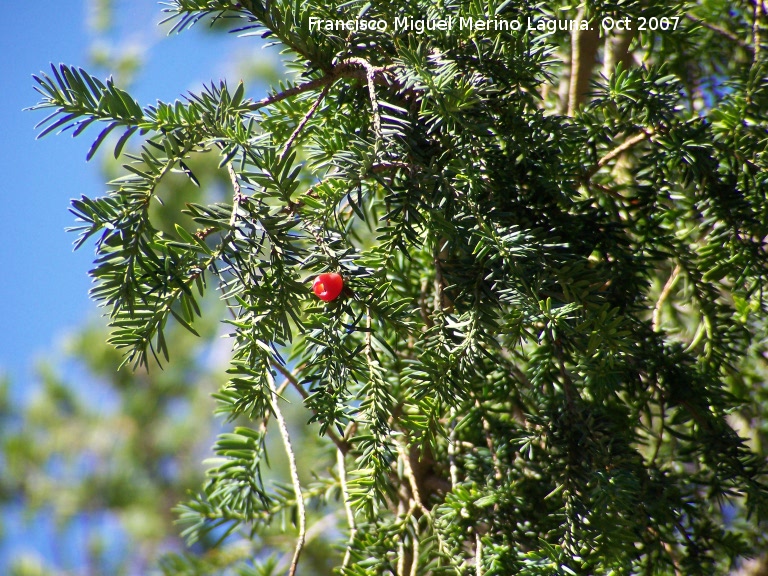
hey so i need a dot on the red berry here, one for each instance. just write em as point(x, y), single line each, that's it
point(328, 286)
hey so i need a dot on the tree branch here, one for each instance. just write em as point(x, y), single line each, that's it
point(294, 474)
point(370, 74)
point(237, 197)
point(352, 68)
point(583, 52)
point(621, 148)
point(347, 506)
point(303, 122)
point(758, 13)
point(478, 555)
point(722, 31)
point(671, 281)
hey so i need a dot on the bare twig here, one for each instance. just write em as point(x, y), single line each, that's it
point(298, 89)
point(400, 542)
point(319, 528)
point(671, 281)
point(347, 506)
point(620, 149)
point(415, 562)
point(265, 420)
point(452, 451)
point(623, 147)
point(478, 555)
point(370, 75)
point(294, 474)
point(408, 471)
point(416, 503)
point(237, 197)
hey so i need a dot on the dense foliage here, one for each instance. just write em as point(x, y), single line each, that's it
point(549, 355)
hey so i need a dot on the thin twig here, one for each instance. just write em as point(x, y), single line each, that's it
point(478, 555)
point(452, 451)
point(416, 503)
point(348, 69)
point(370, 75)
point(303, 122)
point(237, 197)
point(408, 471)
point(671, 281)
point(294, 474)
point(722, 31)
point(400, 570)
point(621, 148)
point(347, 506)
point(319, 528)
point(392, 165)
point(265, 420)
point(298, 89)
point(415, 562)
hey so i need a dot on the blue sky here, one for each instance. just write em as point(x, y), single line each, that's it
point(43, 292)
point(44, 288)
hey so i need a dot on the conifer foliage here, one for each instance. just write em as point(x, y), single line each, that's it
point(548, 354)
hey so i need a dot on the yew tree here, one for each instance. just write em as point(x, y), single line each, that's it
point(512, 275)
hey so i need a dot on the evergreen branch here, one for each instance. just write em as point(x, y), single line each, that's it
point(274, 17)
point(75, 95)
point(294, 474)
point(303, 123)
point(119, 286)
point(340, 444)
point(352, 68)
point(80, 100)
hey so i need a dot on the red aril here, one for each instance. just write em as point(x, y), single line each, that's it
point(328, 286)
